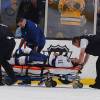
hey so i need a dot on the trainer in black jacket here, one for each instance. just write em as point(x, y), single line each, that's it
point(7, 44)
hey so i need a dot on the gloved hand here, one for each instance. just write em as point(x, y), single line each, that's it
point(81, 66)
point(18, 52)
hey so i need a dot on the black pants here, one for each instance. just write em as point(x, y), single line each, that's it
point(93, 48)
point(6, 49)
point(98, 71)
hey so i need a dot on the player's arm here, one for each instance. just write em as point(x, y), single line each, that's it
point(21, 42)
point(86, 59)
point(81, 56)
point(83, 45)
point(36, 40)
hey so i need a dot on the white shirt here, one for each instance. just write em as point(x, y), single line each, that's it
point(83, 43)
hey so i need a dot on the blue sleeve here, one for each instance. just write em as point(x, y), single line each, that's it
point(22, 35)
point(35, 33)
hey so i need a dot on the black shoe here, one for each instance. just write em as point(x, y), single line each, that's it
point(10, 81)
point(27, 81)
point(2, 84)
point(64, 81)
point(96, 86)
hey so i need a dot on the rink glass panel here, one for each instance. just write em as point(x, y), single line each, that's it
point(9, 11)
point(65, 20)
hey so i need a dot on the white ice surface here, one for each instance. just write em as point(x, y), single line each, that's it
point(37, 93)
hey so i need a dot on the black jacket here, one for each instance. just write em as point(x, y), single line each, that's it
point(5, 32)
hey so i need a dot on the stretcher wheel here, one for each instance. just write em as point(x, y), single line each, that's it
point(54, 83)
point(77, 84)
point(80, 85)
point(40, 83)
point(48, 83)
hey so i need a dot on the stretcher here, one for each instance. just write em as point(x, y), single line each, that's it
point(40, 67)
point(46, 74)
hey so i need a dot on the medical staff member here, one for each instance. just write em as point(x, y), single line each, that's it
point(92, 47)
point(7, 44)
point(32, 35)
point(80, 43)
